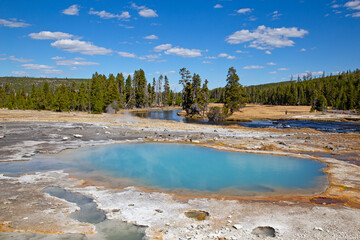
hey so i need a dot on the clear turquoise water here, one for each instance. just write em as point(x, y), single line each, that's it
point(176, 166)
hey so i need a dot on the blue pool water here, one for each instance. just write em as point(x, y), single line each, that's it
point(322, 126)
point(176, 166)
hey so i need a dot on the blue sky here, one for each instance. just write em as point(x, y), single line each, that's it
point(265, 40)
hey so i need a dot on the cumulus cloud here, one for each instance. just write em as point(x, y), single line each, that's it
point(252, 67)
point(267, 38)
point(127, 54)
point(268, 52)
point(42, 68)
point(75, 62)
point(271, 63)
point(13, 23)
point(225, 55)
point(240, 51)
point(144, 11)
point(21, 60)
point(183, 52)
point(303, 50)
point(162, 47)
point(50, 35)
point(107, 15)
point(72, 10)
point(283, 69)
point(86, 48)
point(244, 10)
point(273, 72)
point(152, 37)
point(218, 6)
point(206, 62)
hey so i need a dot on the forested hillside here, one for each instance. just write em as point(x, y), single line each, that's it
point(101, 93)
point(340, 91)
point(96, 95)
point(18, 83)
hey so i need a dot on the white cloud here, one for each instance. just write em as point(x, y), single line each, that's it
point(151, 37)
point(303, 50)
point(336, 6)
point(165, 73)
point(13, 23)
point(20, 73)
point(21, 60)
point(210, 57)
point(268, 52)
point(271, 63)
point(354, 5)
point(244, 10)
point(218, 6)
point(267, 38)
point(2, 59)
point(43, 68)
point(127, 54)
point(307, 73)
point(144, 11)
point(50, 35)
point(240, 51)
point(107, 15)
point(162, 47)
point(183, 52)
point(57, 58)
point(206, 62)
point(75, 62)
point(82, 47)
point(253, 67)
point(147, 13)
point(72, 10)
point(126, 26)
point(273, 72)
point(275, 15)
point(225, 55)
point(283, 69)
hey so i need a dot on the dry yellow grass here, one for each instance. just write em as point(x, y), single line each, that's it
point(268, 112)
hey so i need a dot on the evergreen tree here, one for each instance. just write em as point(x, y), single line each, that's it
point(234, 93)
point(96, 94)
point(121, 85)
point(166, 91)
point(140, 88)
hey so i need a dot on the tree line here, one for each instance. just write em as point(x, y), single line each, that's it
point(340, 91)
point(96, 95)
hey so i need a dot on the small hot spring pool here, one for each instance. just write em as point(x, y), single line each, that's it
point(190, 169)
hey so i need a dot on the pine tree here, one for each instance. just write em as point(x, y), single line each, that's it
point(166, 91)
point(140, 87)
point(96, 94)
point(130, 97)
point(121, 85)
point(234, 93)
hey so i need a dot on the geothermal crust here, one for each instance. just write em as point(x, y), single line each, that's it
point(25, 208)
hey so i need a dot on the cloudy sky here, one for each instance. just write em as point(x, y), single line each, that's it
point(265, 40)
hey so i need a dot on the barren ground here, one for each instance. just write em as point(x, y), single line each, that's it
point(332, 214)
